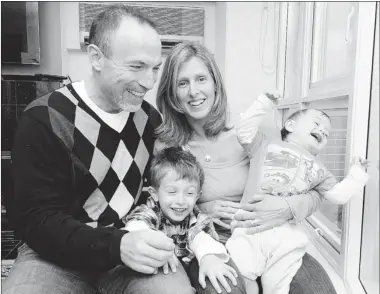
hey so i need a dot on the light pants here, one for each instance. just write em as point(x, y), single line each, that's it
point(275, 255)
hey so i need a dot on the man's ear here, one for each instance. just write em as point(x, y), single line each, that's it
point(289, 125)
point(95, 57)
point(153, 193)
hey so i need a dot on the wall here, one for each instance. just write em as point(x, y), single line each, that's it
point(76, 64)
point(50, 40)
point(232, 33)
point(244, 76)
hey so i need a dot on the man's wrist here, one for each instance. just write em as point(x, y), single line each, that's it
point(116, 246)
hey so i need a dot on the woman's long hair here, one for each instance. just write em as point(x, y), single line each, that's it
point(175, 129)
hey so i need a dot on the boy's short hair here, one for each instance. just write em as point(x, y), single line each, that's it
point(295, 116)
point(183, 162)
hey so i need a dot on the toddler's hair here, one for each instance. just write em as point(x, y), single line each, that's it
point(182, 162)
point(295, 116)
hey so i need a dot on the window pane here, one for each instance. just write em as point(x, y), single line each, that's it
point(330, 52)
point(333, 157)
point(369, 262)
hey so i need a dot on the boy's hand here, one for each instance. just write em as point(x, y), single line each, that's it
point(172, 263)
point(216, 270)
point(275, 97)
point(361, 162)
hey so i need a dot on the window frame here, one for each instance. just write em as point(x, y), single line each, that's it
point(356, 86)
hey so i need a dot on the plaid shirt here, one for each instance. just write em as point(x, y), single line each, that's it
point(182, 234)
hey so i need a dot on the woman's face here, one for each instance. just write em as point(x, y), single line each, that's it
point(195, 90)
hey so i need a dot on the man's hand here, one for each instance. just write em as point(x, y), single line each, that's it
point(219, 210)
point(172, 263)
point(145, 251)
point(216, 270)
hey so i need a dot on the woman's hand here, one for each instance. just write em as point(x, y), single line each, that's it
point(263, 213)
point(216, 270)
point(221, 211)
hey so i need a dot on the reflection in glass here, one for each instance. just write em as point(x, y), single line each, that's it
point(331, 39)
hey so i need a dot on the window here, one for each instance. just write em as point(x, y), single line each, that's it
point(329, 62)
point(369, 252)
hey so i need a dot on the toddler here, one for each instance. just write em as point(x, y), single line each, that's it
point(283, 167)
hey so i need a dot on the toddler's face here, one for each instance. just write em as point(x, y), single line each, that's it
point(311, 131)
point(176, 196)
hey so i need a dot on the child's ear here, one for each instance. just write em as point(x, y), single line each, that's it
point(289, 125)
point(153, 193)
point(199, 195)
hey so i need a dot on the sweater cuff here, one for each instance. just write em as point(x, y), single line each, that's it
point(136, 225)
point(358, 174)
point(204, 244)
point(115, 247)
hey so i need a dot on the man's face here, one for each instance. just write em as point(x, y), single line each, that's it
point(132, 68)
point(311, 131)
point(176, 196)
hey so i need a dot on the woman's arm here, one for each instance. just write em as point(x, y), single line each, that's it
point(221, 211)
point(267, 211)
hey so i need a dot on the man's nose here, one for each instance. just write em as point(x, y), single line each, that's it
point(148, 80)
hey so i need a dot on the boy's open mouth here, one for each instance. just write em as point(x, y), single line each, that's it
point(317, 137)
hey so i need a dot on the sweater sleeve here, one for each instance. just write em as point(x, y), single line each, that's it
point(304, 205)
point(340, 193)
point(44, 203)
point(256, 125)
point(203, 239)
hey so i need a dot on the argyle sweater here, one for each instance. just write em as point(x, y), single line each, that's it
point(75, 178)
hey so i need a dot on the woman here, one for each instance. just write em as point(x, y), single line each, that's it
point(193, 102)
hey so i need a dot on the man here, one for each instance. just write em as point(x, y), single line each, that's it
point(79, 158)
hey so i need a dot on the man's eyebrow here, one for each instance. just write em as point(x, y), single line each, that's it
point(139, 62)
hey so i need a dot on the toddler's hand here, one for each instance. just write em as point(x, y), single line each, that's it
point(274, 97)
point(361, 162)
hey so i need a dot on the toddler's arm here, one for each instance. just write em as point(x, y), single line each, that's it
point(251, 122)
point(340, 193)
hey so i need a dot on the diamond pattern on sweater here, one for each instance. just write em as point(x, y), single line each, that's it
point(95, 205)
point(121, 161)
point(140, 119)
point(121, 201)
point(87, 126)
point(99, 165)
point(141, 157)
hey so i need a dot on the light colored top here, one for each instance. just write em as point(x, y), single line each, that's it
point(285, 168)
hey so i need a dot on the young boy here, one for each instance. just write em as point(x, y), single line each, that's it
point(283, 167)
point(176, 183)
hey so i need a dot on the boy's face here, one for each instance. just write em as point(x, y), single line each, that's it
point(176, 196)
point(310, 130)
